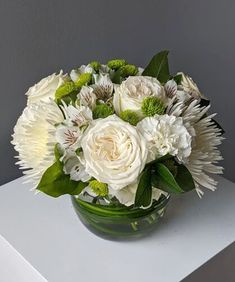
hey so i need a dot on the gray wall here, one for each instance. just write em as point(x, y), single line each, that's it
point(40, 37)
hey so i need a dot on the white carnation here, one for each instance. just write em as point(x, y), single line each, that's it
point(165, 135)
point(131, 93)
point(114, 152)
point(45, 89)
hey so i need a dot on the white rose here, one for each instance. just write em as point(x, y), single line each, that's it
point(46, 88)
point(131, 93)
point(165, 135)
point(114, 152)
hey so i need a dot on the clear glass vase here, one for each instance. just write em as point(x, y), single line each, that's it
point(119, 222)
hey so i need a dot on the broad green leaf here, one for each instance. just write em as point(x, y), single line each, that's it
point(55, 183)
point(164, 180)
point(158, 67)
point(161, 159)
point(184, 178)
point(144, 190)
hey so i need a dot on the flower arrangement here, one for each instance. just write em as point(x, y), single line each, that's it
point(118, 134)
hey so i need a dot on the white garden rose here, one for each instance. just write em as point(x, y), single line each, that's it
point(46, 88)
point(131, 93)
point(165, 135)
point(114, 152)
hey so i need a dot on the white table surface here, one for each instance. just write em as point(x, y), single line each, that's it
point(48, 234)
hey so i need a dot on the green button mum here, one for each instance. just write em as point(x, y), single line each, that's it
point(99, 188)
point(129, 116)
point(152, 106)
point(116, 64)
point(84, 79)
point(102, 111)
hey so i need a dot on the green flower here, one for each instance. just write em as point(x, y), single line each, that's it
point(152, 106)
point(129, 116)
point(65, 89)
point(95, 65)
point(102, 111)
point(116, 64)
point(84, 79)
point(128, 70)
point(99, 188)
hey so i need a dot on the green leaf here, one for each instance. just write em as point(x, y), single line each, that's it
point(164, 180)
point(177, 78)
point(143, 195)
point(55, 183)
point(158, 67)
point(184, 178)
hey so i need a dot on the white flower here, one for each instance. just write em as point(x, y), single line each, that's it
point(87, 97)
point(130, 94)
point(68, 136)
point(79, 115)
point(173, 92)
point(74, 74)
point(103, 87)
point(114, 152)
point(189, 86)
point(165, 135)
point(34, 138)
point(45, 89)
point(74, 166)
point(205, 155)
point(126, 196)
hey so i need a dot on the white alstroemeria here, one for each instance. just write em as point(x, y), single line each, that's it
point(172, 91)
point(45, 89)
point(74, 166)
point(114, 151)
point(103, 87)
point(126, 196)
point(74, 74)
point(131, 93)
point(68, 136)
point(79, 115)
point(165, 135)
point(104, 69)
point(87, 97)
point(34, 138)
point(189, 86)
point(140, 71)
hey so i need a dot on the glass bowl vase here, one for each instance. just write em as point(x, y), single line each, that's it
point(119, 222)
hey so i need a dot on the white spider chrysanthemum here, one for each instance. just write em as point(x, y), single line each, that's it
point(205, 155)
point(34, 138)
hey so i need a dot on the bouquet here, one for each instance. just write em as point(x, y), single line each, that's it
point(117, 134)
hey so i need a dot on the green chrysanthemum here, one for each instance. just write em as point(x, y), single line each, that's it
point(84, 79)
point(128, 70)
point(152, 106)
point(99, 188)
point(95, 65)
point(65, 89)
point(129, 116)
point(102, 111)
point(116, 64)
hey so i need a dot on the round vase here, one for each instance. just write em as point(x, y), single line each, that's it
point(119, 222)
